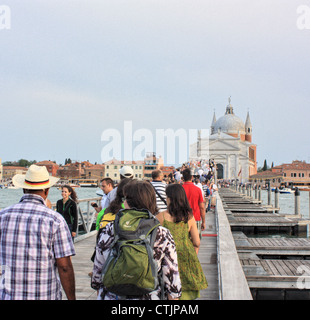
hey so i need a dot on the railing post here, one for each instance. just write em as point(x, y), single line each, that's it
point(297, 201)
point(276, 199)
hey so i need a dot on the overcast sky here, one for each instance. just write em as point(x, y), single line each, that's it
point(70, 70)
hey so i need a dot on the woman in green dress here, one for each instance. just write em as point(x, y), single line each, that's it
point(180, 221)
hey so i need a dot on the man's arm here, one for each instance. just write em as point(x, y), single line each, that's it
point(203, 215)
point(66, 274)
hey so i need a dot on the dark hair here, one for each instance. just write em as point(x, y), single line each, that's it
point(187, 176)
point(156, 174)
point(73, 195)
point(141, 195)
point(108, 181)
point(179, 206)
point(116, 204)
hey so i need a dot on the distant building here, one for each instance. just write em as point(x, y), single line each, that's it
point(95, 171)
point(71, 171)
point(152, 163)
point(265, 177)
point(112, 168)
point(8, 172)
point(230, 145)
point(51, 167)
point(295, 174)
point(167, 170)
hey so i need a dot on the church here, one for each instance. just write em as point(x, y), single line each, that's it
point(230, 145)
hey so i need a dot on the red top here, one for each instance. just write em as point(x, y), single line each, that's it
point(194, 197)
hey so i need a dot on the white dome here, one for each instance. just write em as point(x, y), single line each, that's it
point(229, 123)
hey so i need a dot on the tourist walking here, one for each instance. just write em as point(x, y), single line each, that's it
point(195, 199)
point(182, 225)
point(107, 186)
point(35, 243)
point(125, 172)
point(68, 209)
point(140, 199)
point(160, 189)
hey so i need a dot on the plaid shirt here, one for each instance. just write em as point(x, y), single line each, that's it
point(32, 236)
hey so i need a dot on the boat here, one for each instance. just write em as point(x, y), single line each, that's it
point(286, 190)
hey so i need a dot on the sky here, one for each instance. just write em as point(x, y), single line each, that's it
point(73, 71)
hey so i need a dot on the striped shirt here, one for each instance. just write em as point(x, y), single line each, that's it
point(32, 236)
point(161, 189)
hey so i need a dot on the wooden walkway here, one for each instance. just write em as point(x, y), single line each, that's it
point(246, 215)
point(275, 267)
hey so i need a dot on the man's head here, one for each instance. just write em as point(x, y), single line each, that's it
point(187, 176)
point(157, 175)
point(43, 193)
point(107, 185)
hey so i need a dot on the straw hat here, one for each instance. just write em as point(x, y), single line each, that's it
point(36, 178)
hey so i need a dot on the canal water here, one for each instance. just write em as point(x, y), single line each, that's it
point(9, 197)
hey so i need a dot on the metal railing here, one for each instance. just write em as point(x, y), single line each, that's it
point(86, 217)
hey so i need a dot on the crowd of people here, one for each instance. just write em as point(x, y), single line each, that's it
point(37, 242)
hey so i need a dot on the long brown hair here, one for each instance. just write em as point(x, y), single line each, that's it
point(179, 206)
point(141, 195)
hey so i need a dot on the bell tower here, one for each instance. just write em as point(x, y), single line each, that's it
point(248, 128)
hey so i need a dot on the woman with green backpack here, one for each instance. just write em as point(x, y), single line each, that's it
point(135, 256)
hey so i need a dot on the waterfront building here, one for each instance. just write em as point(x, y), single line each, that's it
point(8, 172)
point(95, 171)
point(151, 163)
point(263, 178)
point(166, 170)
point(112, 168)
point(296, 173)
point(230, 145)
point(71, 171)
point(51, 167)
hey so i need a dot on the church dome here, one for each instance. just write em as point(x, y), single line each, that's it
point(229, 123)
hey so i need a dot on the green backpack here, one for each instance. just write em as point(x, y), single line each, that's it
point(130, 269)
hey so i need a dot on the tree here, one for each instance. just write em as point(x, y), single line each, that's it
point(265, 165)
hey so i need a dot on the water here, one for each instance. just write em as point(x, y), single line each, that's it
point(287, 202)
point(9, 197)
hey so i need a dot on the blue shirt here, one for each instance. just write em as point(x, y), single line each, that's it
point(32, 236)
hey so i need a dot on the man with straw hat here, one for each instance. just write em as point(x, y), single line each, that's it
point(35, 242)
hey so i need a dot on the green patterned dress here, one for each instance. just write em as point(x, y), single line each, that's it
point(192, 277)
